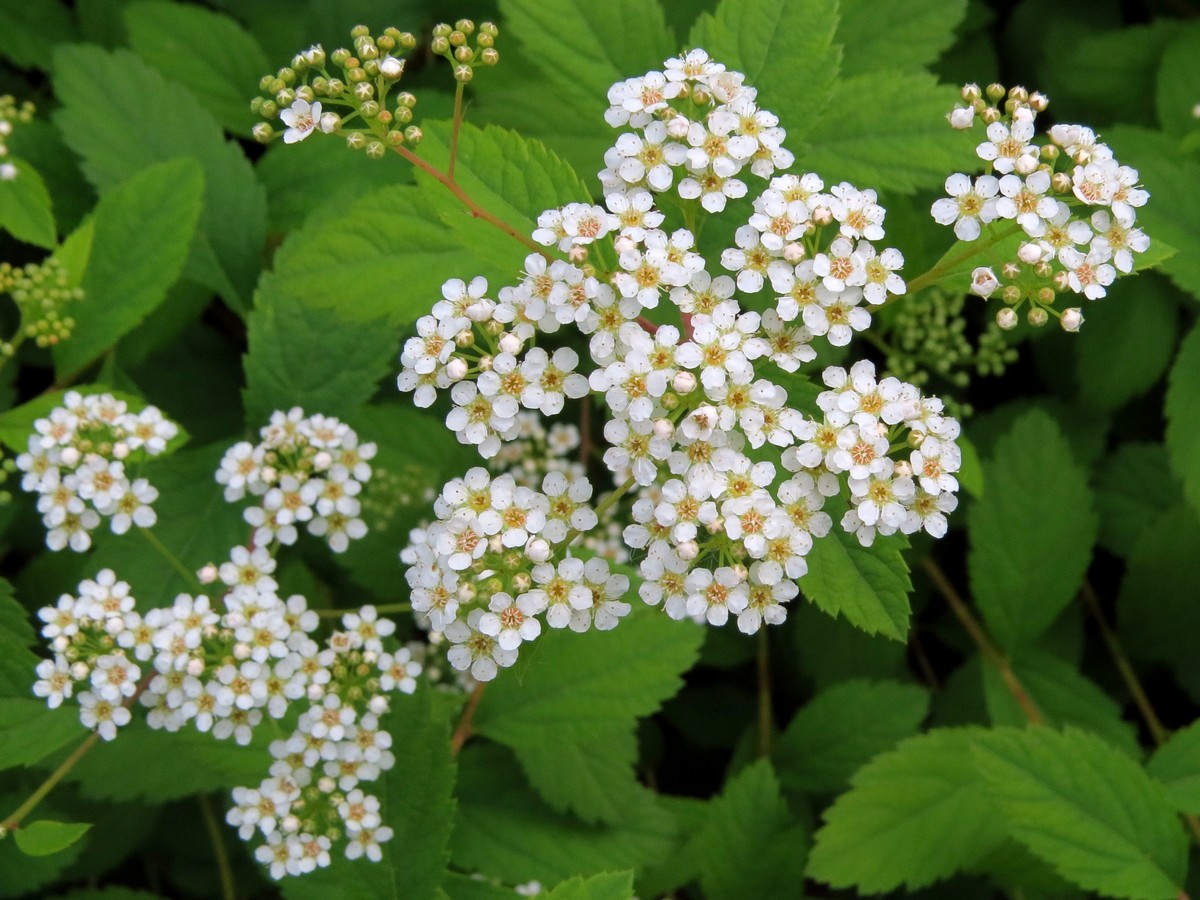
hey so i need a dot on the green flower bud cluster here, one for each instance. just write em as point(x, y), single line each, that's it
point(41, 291)
point(7, 467)
point(928, 338)
point(354, 91)
point(391, 492)
point(11, 113)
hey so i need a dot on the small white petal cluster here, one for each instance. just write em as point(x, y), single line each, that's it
point(79, 462)
point(306, 470)
point(719, 531)
point(313, 796)
point(1075, 204)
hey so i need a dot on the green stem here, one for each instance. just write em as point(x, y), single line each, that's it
point(177, 564)
point(220, 853)
point(925, 279)
point(14, 819)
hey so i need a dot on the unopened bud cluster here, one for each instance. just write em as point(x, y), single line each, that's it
point(354, 92)
point(79, 460)
point(42, 291)
point(1075, 204)
point(11, 113)
point(306, 470)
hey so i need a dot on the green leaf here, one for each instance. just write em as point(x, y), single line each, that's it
point(121, 116)
point(586, 47)
point(16, 637)
point(29, 731)
point(512, 177)
point(26, 210)
point(194, 523)
point(1032, 531)
point(842, 728)
point(1179, 79)
point(1134, 485)
point(912, 816)
point(828, 650)
point(169, 765)
point(886, 130)
point(917, 33)
point(1085, 808)
point(1130, 339)
point(143, 229)
point(44, 837)
point(351, 263)
point(779, 45)
point(605, 886)
point(1157, 613)
point(28, 29)
point(504, 830)
point(1183, 416)
point(570, 710)
point(311, 357)
point(867, 585)
point(1173, 179)
point(996, 245)
point(1177, 765)
point(208, 53)
point(1063, 695)
point(416, 802)
point(750, 844)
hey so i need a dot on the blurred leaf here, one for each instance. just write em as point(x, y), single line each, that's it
point(843, 728)
point(778, 44)
point(45, 837)
point(24, 876)
point(206, 52)
point(504, 830)
point(1032, 531)
point(912, 816)
point(1179, 78)
point(27, 30)
point(867, 585)
point(142, 231)
point(1183, 416)
point(120, 116)
point(26, 210)
point(606, 886)
point(569, 712)
point(1177, 765)
point(17, 661)
point(1087, 809)
point(917, 33)
point(1134, 486)
point(1063, 695)
point(750, 844)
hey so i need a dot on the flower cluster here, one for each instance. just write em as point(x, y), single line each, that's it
point(78, 461)
point(1073, 203)
point(11, 112)
point(346, 92)
point(689, 378)
point(41, 291)
point(305, 469)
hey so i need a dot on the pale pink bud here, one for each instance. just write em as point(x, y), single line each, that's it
point(684, 382)
point(207, 574)
point(80, 670)
point(510, 343)
point(678, 127)
point(120, 450)
point(326, 785)
point(456, 369)
point(984, 282)
point(322, 460)
point(664, 429)
point(378, 704)
point(241, 650)
point(624, 244)
point(1029, 253)
point(1007, 318)
point(537, 550)
point(961, 118)
point(793, 252)
point(70, 457)
point(330, 122)
point(391, 67)
point(688, 550)
point(577, 254)
point(1026, 164)
point(195, 667)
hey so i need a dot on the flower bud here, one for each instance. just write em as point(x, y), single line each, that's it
point(355, 140)
point(1062, 281)
point(1037, 316)
point(537, 550)
point(971, 92)
point(793, 252)
point(207, 574)
point(1011, 294)
point(510, 343)
point(577, 254)
point(1026, 165)
point(241, 650)
point(1007, 318)
point(70, 457)
point(195, 667)
point(995, 91)
point(1060, 183)
point(688, 550)
point(1045, 295)
point(961, 118)
point(1010, 270)
point(413, 134)
point(263, 132)
point(390, 67)
point(984, 282)
point(369, 110)
point(440, 46)
point(1050, 153)
point(456, 369)
point(463, 74)
point(378, 704)
point(330, 122)
point(684, 382)
point(664, 429)
point(80, 670)
point(376, 150)
point(822, 215)
point(624, 244)
point(990, 115)
point(489, 56)
point(1071, 319)
point(1029, 253)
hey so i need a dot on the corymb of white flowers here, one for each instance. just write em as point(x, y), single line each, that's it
point(79, 460)
point(730, 484)
point(1072, 203)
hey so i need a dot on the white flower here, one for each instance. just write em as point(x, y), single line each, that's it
point(1006, 146)
point(475, 651)
point(714, 595)
point(597, 599)
point(300, 118)
point(968, 204)
point(513, 621)
point(102, 715)
point(1089, 274)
